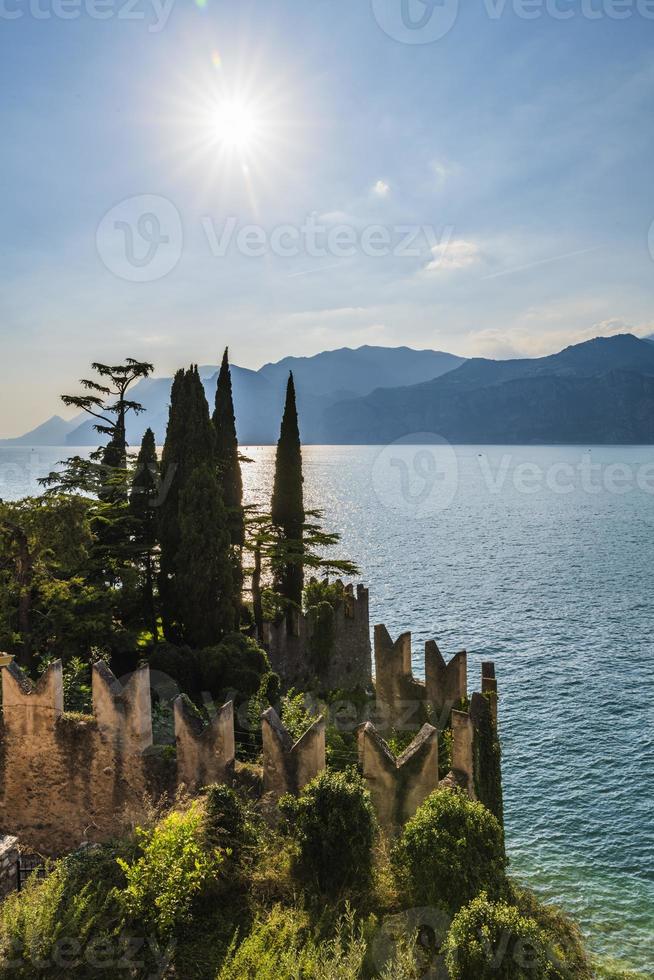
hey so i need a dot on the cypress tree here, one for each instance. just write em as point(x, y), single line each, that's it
point(287, 509)
point(142, 502)
point(190, 586)
point(229, 474)
point(203, 572)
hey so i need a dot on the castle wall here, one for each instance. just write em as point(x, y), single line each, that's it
point(398, 786)
point(350, 664)
point(288, 767)
point(67, 779)
point(407, 702)
point(205, 755)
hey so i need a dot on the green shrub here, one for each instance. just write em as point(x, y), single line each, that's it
point(226, 825)
point(493, 941)
point(333, 825)
point(237, 664)
point(450, 850)
point(71, 921)
point(295, 715)
point(174, 868)
point(282, 947)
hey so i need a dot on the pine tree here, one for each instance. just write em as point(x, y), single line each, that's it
point(229, 473)
point(195, 581)
point(287, 509)
point(143, 510)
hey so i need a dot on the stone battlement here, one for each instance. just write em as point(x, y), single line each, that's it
point(289, 646)
point(407, 700)
point(68, 778)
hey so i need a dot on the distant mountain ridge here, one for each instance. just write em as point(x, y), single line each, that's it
point(321, 381)
point(600, 391)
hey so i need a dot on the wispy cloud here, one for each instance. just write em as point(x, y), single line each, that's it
point(452, 254)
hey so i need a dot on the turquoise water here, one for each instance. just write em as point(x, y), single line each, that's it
point(541, 559)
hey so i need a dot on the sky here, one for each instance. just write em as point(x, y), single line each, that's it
point(289, 177)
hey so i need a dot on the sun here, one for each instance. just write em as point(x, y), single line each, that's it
point(236, 125)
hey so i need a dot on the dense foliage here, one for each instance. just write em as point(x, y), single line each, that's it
point(209, 891)
point(333, 826)
point(493, 940)
point(450, 850)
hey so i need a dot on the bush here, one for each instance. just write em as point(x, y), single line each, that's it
point(450, 850)
point(281, 947)
point(333, 825)
point(69, 922)
point(490, 941)
point(237, 664)
point(174, 868)
point(225, 822)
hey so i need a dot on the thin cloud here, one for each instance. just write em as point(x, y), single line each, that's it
point(450, 255)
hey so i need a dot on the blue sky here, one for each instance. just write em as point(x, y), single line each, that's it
point(489, 192)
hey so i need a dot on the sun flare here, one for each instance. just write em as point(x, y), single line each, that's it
point(236, 125)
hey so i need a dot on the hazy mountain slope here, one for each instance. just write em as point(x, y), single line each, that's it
point(259, 395)
point(347, 372)
point(601, 391)
point(50, 433)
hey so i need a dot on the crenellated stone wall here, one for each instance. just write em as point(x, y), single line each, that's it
point(398, 786)
point(349, 665)
point(205, 754)
point(67, 779)
point(406, 701)
point(288, 766)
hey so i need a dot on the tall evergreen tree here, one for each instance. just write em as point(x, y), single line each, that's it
point(287, 509)
point(229, 473)
point(203, 573)
point(143, 511)
point(190, 587)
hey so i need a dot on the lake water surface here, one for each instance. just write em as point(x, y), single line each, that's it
point(540, 559)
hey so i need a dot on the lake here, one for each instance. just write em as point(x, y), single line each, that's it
point(541, 559)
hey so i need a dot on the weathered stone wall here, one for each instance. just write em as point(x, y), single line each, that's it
point(350, 663)
point(205, 754)
point(406, 702)
point(67, 779)
point(8, 864)
point(288, 767)
point(398, 786)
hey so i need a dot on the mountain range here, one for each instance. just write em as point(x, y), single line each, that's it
point(600, 391)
